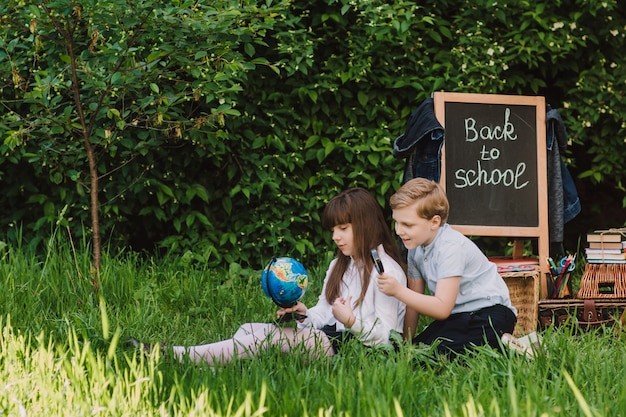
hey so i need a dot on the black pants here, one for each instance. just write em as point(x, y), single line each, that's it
point(463, 330)
point(337, 338)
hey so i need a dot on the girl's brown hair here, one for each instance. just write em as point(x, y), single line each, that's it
point(359, 208)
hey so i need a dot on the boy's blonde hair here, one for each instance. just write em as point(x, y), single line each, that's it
point(427, 195)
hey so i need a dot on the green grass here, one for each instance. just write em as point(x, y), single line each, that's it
point(61, 353)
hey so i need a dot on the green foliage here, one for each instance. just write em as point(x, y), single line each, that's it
point(223, 136)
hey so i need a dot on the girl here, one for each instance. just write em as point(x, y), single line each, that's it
point(350, 306)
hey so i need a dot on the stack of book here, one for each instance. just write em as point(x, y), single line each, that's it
point(606, 246)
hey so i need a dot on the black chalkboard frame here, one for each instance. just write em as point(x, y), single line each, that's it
point(537, 226)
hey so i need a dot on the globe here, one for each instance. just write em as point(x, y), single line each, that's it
point(285, 281)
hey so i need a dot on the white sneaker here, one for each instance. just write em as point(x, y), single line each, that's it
point(528, 345)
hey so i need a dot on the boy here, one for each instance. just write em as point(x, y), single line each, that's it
point(469, 301)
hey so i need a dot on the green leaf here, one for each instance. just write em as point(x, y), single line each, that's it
point(435, 35)
point(203, 219)
point(232, 112)
point(363, 98)
point(445, 32)
point(34, 10)
point(329, 146)
point(227, 205)
point(73, 174)
point(115, 77)
point(189, 220)
point(201, 192)
point(311, 141)
point(249, 48)
point(374, 158)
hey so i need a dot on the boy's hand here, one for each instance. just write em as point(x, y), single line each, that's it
point(342, 311)
point(388, 285)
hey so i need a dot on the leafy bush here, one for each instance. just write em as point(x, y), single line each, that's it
point(223, 136)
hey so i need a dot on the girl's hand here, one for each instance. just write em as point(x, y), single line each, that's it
point(298, 308)
point(342, 311)
point(388, 285)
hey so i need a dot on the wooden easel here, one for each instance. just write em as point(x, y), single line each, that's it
point(518, 248)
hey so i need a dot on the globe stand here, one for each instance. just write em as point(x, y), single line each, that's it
point(288, 317)
point(285, 318)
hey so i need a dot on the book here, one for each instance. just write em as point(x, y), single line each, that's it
point(607, 245)
point(509, 261)
point(607, 235)
point(606, 261)
point(510, 264)
point(606, 256)
point(596, 251)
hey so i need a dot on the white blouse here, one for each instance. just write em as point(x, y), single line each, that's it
point(376, 316)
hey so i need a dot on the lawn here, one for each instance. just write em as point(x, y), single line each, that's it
point(62, 352)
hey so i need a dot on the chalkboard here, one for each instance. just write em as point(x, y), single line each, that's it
point(494, 167)
point(491, 158)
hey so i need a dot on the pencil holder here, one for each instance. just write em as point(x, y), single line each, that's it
point(560, 286)
point(559, 279)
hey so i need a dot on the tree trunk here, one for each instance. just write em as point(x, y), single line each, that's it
point(93, 168)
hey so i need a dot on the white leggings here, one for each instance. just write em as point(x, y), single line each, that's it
point(252, 338)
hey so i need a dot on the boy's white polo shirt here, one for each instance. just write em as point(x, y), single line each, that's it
point(453, 254)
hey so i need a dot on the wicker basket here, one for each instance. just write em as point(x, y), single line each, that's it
point(524, 292)
point(603, 281)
